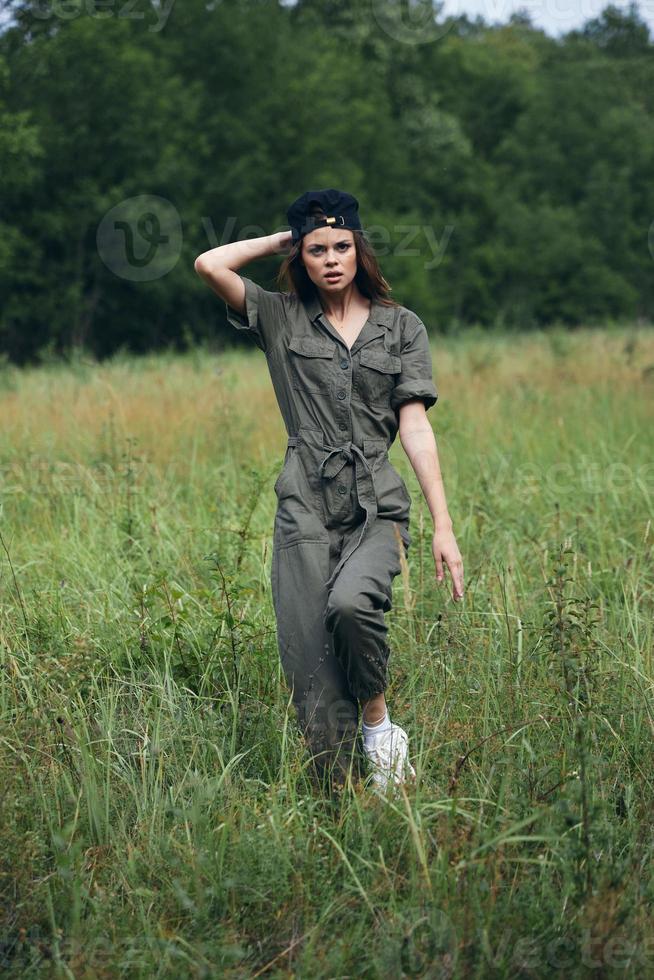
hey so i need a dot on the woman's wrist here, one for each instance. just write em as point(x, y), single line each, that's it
point(442, 522)
point(259, 248)
point(236, 254)
point(283, 241)
point(268, 244)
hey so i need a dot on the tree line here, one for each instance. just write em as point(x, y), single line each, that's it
point(504, 176)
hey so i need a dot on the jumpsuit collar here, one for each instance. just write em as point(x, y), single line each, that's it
point(380, 319)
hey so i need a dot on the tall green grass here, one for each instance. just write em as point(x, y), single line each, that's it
point(158, 819)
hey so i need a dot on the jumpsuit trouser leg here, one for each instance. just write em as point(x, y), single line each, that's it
point(354, 613)
point(333, 638)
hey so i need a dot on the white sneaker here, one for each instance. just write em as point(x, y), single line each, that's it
point(387, 753)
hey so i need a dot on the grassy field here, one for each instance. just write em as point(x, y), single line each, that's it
point(157, 816)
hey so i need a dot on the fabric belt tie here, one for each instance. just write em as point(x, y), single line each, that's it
point(332, 464)
point(337, 457)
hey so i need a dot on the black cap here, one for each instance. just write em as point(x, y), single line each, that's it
point(340, 208)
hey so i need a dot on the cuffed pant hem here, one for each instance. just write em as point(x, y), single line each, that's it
point(364, 694)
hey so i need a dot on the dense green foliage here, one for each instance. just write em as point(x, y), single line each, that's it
point(506, 175)
point(156, 812)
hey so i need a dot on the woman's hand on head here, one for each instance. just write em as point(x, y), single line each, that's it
point(445, 549)
point(284, 242)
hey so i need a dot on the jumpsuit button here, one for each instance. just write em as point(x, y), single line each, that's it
point(344, 364)
point(341, 395)
point(341, 488)
point(342, 425)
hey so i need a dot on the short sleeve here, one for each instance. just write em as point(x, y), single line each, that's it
point(265, 314)
point(415, 379)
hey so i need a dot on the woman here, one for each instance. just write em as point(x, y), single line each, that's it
point(350, 367)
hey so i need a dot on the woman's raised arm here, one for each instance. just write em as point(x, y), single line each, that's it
point(218, 265)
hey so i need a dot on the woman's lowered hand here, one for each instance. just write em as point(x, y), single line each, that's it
point(446, 550)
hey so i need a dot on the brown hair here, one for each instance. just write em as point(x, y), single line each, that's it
point(369, 279)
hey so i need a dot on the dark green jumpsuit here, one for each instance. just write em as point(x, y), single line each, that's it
point(342, 508)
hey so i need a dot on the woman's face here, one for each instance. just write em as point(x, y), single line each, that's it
point(330, 258)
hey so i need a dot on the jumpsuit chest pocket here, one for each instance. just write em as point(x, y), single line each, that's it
point(376, 375)
point(311, 363)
